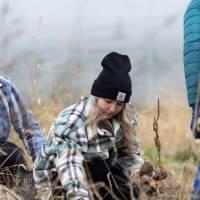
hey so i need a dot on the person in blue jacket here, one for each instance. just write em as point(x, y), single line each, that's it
point(192, 75)
point(15, 113)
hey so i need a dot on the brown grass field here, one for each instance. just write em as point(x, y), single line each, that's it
point(177, 145)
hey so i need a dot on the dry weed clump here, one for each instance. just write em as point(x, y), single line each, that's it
point(8, 194)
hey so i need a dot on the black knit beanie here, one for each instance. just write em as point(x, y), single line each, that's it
point(114, 81)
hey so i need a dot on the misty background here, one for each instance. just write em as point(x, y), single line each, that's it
point(53, 47)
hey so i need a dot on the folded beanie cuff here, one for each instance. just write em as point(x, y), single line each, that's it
point(114, 93)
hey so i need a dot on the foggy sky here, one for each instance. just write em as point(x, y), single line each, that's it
point(67, 32)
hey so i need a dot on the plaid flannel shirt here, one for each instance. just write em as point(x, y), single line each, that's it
point(13, 110)
point(70, 142)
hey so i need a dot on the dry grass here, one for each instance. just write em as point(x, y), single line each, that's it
point(174, 136)
point(173, 127)
point(8, 194)
point(176, 153)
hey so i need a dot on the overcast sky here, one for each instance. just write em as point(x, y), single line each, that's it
point(51, 19)
point(55, 29)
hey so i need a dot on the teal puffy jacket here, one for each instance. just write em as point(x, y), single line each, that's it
point(192, 49)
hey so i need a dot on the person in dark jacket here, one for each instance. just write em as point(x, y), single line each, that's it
point(192, 75)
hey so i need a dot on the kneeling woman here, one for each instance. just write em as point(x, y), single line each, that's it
point(92, 146)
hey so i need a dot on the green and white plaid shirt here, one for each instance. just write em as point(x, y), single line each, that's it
point(70, 142)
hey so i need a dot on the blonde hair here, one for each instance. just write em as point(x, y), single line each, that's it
point(126, 119)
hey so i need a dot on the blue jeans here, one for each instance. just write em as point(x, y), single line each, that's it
point(195, 194)
point(193, 122)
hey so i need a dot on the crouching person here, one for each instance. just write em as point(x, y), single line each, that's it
point(14, 112)
point(92, 149)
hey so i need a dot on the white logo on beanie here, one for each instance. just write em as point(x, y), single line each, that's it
point(121, 96)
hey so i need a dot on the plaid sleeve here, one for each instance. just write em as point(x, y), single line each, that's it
point(24, 124)
point(66, 158)
point(69, 164)
point(130, 158)
point(62, 152)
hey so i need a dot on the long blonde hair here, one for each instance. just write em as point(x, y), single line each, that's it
point(126, 119)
